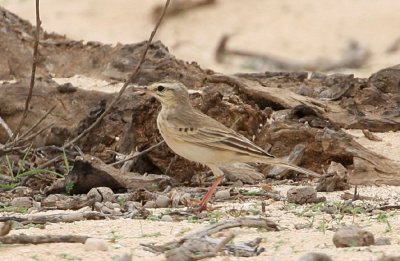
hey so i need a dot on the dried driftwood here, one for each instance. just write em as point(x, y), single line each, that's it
point(55, 218)
point(354, 56)
point(200, 244)
point(90, 172)
point(33, 239)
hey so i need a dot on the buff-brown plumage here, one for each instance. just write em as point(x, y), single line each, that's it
point(200, 138)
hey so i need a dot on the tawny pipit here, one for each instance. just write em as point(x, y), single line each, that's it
point(198, 137)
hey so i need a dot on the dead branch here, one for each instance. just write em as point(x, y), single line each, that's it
point(354, 56)
point(38, 122)
point(127, 82)
point(6, 128)
point(90, 172)
point(138, 154)
point(201, 241)
point(55, 218)
point(34, 64)
point(179, 6)
point(31, 239)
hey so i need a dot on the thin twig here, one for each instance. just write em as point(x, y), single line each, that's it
point(34, 63)
point(49, 162)
point(33, 135)
point(38, 122)
point(6, 128)
point(138, 154)
point(134, 74)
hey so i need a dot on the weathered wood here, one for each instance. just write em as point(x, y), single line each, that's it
point(32, 239)
point(200, 244)
point(90, 172)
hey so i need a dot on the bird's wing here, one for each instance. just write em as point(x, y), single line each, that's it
point(218, 137)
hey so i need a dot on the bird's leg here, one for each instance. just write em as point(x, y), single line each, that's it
point(210, 192)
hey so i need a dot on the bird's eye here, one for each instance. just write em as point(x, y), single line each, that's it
point(160, 88)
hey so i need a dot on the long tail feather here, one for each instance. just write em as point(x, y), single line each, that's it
point(281, 163)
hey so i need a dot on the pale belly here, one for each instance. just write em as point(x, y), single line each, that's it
point(194, 152)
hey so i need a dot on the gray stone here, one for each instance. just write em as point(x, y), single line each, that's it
point(302, 195)
point(22, 202)
point(102, 194)
point(223, 194)
point(353, 236)
point(167, 218)
point(150, 204)
point(163, 201)
point(92, 244)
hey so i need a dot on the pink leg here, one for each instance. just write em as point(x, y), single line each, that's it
point(210, 192)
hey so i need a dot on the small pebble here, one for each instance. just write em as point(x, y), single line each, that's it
point(102, 194)
point(167, 218)
point(22, 202)
point(98, 206)
point(92, 244)
point(223, 194)
point(382, 241)
point(163, 201)
point(109, 205)
point(150, 204)
point(352, 236)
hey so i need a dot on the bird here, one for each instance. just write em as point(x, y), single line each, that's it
point(198, 137)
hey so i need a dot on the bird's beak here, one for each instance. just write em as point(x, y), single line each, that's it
point(141, 90)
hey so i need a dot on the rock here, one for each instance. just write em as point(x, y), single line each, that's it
point(22, 202)
point(382, 241)
point(223, 194)
point(132, 205)
point(163, 201)
point(102, 194)
point(150, 204)
point(92, 244)
point(386, 80)
point(109, 205)
point(106, 210)
point(167, 218)
point(98, 206)
point(335, 180)
point(313, 256)
point(352, 236)
point(302, 195)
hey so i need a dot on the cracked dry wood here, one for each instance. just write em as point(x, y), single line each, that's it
point(189, 247)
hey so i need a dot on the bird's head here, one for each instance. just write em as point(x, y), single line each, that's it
point(169, 93)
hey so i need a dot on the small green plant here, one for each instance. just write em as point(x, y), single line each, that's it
point(383, 218)
point(193, 219)
point(121, 200)
point(69, 186)
point(322, 225)
point(215, 216)
point(13, 209)
point(114, 237)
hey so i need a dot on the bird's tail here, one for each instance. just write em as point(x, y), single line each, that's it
point(283, 164)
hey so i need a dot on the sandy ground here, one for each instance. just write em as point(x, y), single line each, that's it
point(300, 30)
point(303, 30)
point(287, 244)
